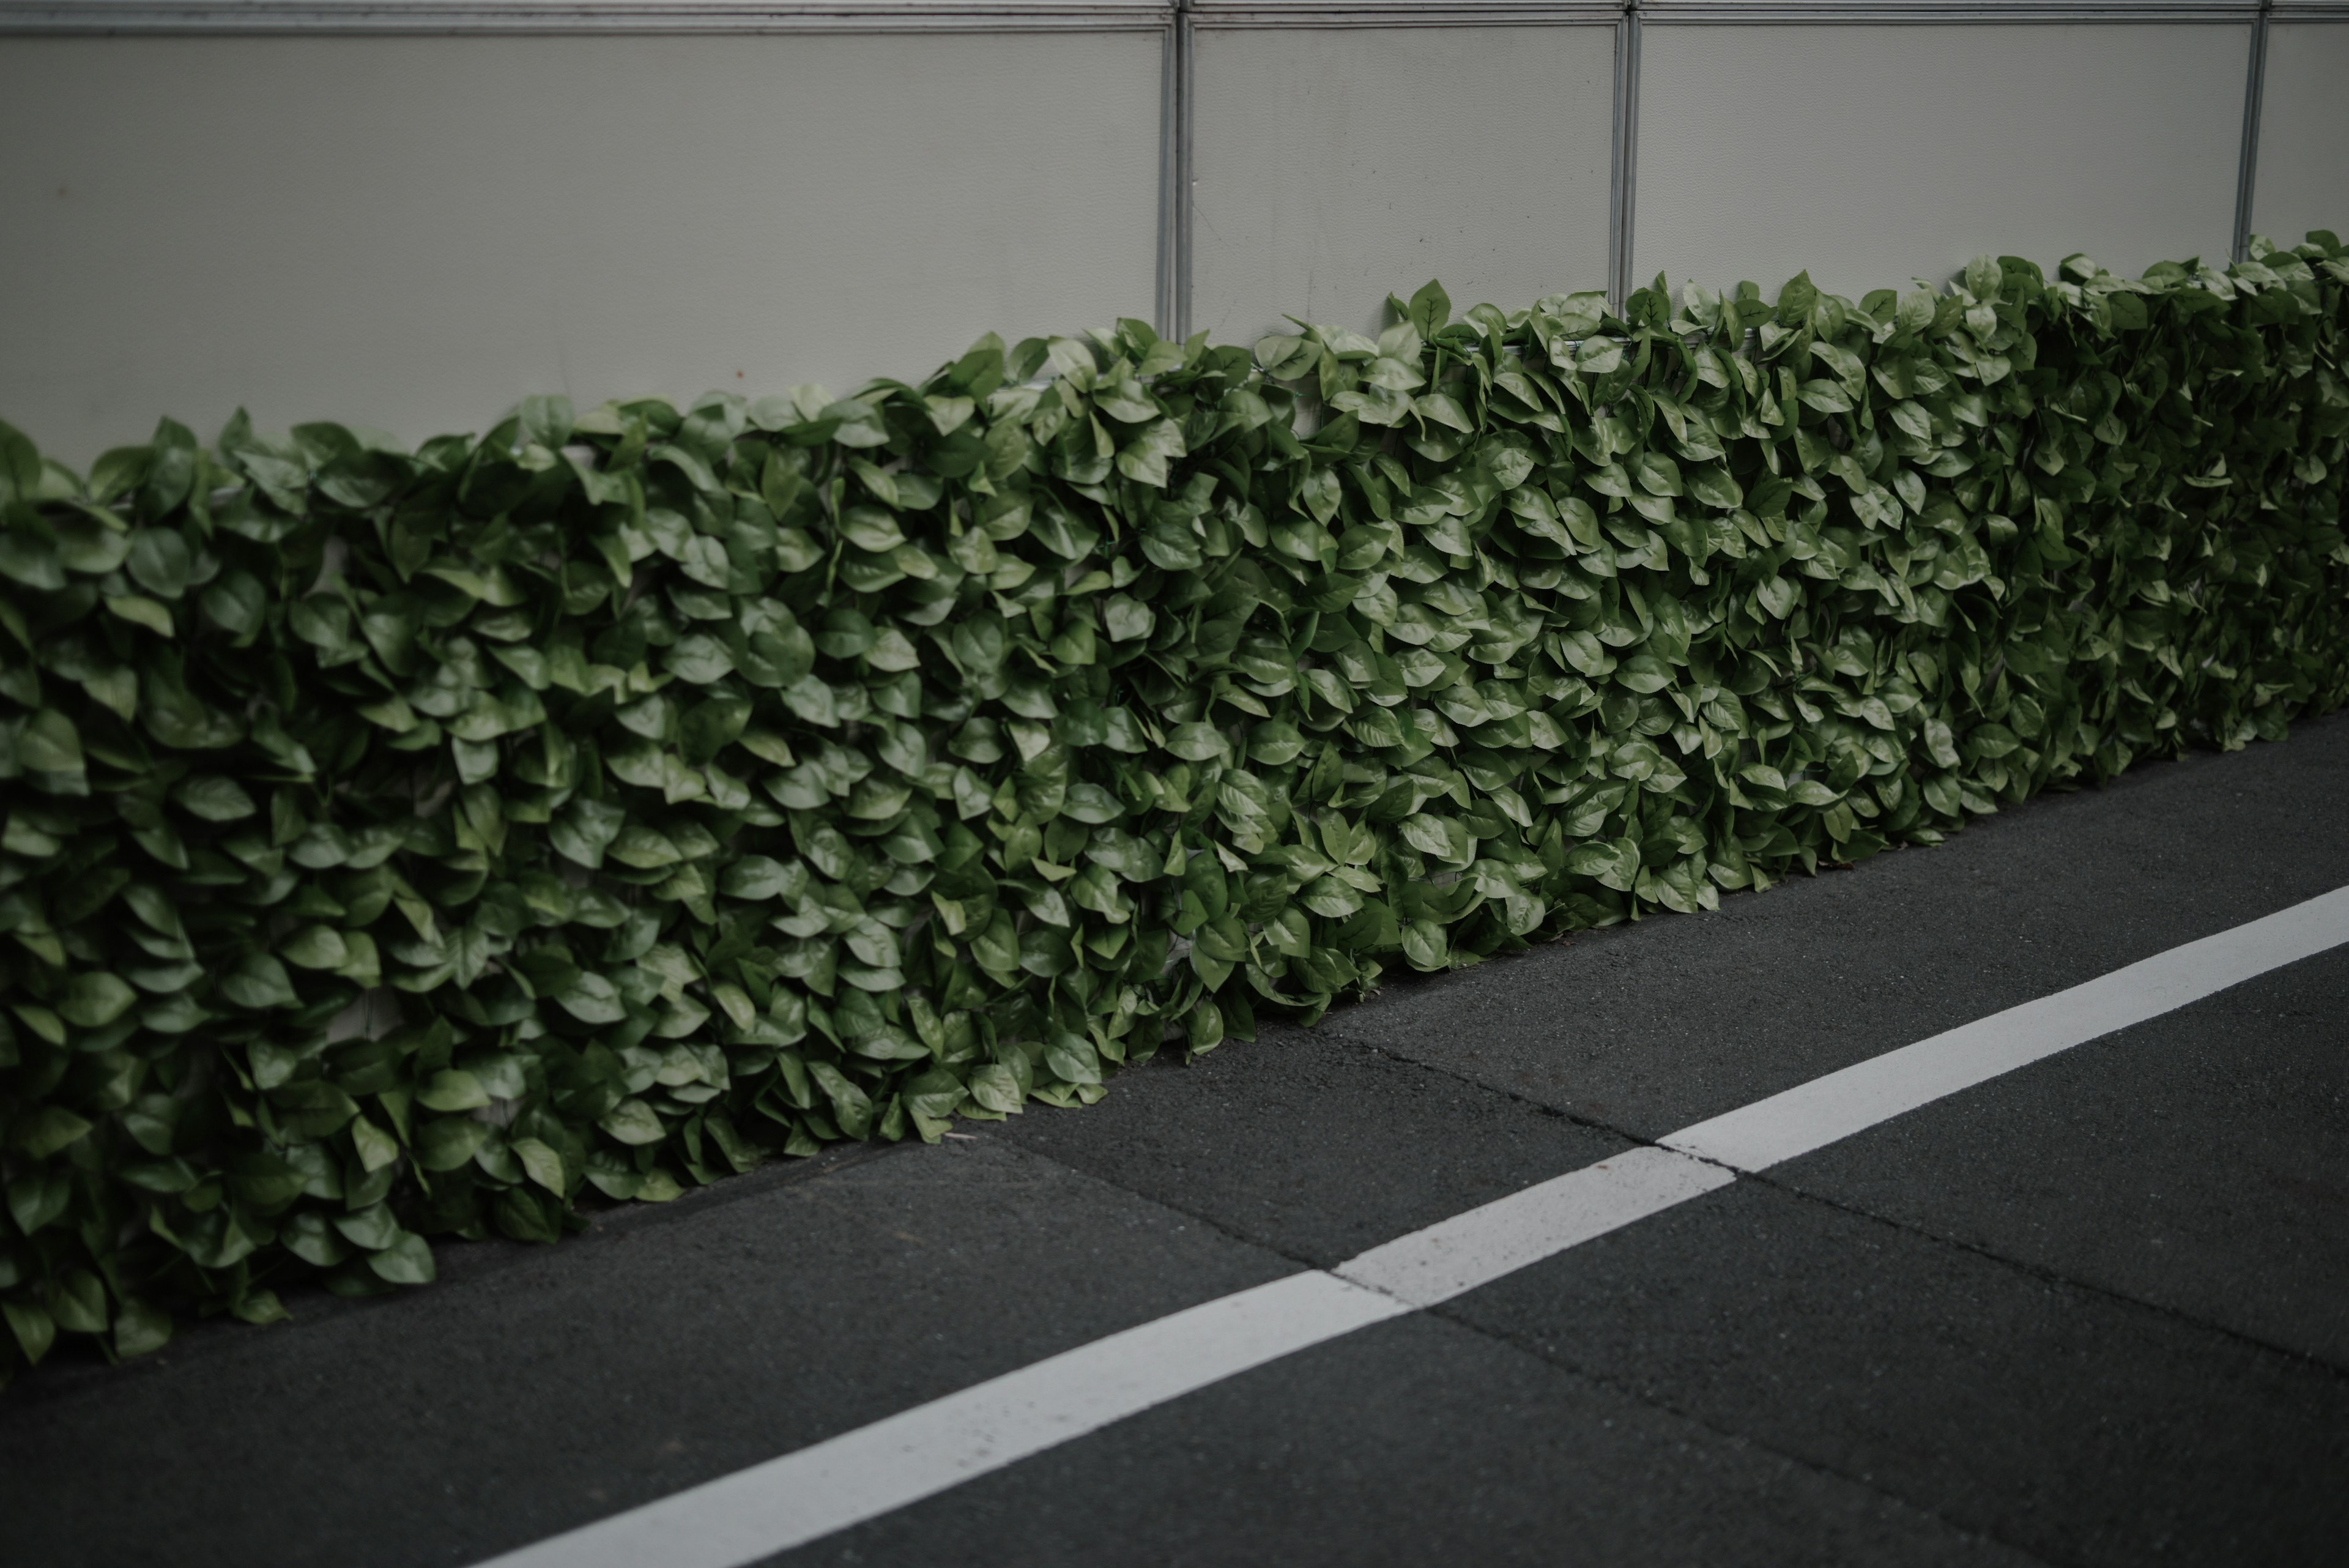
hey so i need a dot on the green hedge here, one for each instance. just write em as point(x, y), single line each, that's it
point(409, 842)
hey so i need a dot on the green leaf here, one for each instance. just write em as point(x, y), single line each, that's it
point(49, 1129)
point(1430, 309)
point(1644, 673)
point(140, 1328)
point(377, 1149)
point(592, 999)
point(1712, 485)
point(1126, 619)
point(1072, 1059)
point(30, 561)
point(633, 1122)
point(373, 1228)
point(48, 743)
point(258, 980)
point(1144, 459)
point(1443, 409)
point(937, 1093)
point(236, 602)
point(312, 1109)
point(35, 1330)
point(453, 1089)
point(757, 878)
point(995, 1088)
point(1599, 356)
point(541, 1164)
point(698, 660)
point(316, 947)
point(94, 1000)
point(1196, 741)
point(76, 1299)
point(214, 798)
point(446, 1143)
point(160, 562)
point(90, 546)
point(1827, 396)
point(20, 471)
point(40, 1020)
point(406, 1261)
point(871, 528)
point(1614, 863)
point(1424, 946)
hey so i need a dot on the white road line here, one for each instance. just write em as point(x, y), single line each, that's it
point(874, 1469)
point(1818, 1113)
point(1468, 1249)
point(917, 1453)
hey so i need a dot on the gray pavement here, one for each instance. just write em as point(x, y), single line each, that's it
point(2095, 1312)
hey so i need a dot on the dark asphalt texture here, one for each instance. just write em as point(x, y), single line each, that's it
point(2095, 1312)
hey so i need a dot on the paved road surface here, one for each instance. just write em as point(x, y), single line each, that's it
point(2094, 1311)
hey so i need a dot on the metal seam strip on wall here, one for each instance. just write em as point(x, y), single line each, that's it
point(1174, 219)
point(2248, 169)
point(1624, 157)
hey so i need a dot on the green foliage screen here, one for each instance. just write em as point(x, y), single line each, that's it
point(410, 842)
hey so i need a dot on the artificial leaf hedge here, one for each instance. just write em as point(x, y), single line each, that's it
point(410, 842)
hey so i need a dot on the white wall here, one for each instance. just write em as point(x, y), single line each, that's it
point(1332, 168)
point(2303, 181)
point(1874, 154)
point(414, 232)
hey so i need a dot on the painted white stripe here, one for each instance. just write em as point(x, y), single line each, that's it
point(918, 1453)
point(1840, 1104)
point(855, 1476)
point(1468, 1249)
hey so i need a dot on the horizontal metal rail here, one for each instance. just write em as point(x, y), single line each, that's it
point(1737, 12)
point(457, 16)
point(253, 17)
point(1942, 13)
point(1244, 14)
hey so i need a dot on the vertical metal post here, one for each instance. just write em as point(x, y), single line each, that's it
point(1624, 186)
point(1169, 178)
point(1175, 177)
point(2247, 173)
point(1186, 176)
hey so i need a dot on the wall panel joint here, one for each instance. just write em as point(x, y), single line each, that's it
point(2248, 170)
point(1623, 188)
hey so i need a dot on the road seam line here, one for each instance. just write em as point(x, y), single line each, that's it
point(1503, 1339)
point(2048, 1275)
point(888, 1464)
point(2040, 1271)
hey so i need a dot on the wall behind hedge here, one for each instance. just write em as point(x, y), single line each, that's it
point(403, 844)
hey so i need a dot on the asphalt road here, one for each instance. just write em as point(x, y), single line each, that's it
point(2094, 1311)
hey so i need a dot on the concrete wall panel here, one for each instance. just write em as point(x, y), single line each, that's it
point(1331, 168)
point(2303, 181)
point(413, 233)
point(1874, 154)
